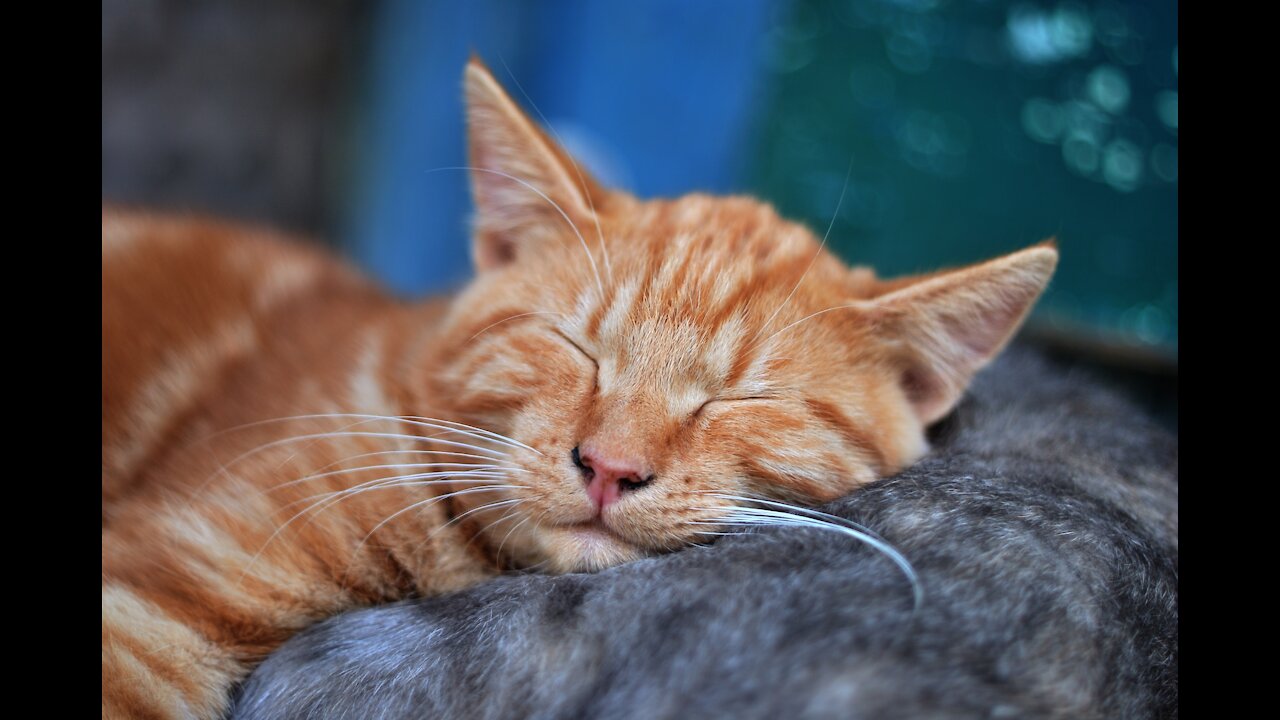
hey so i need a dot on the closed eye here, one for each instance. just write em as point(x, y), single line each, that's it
point(576, 346)
point(748, 398)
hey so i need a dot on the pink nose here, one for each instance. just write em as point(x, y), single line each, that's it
point(609, 476)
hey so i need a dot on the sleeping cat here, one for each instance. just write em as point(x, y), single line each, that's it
point(282, 441)
point(1043, 526)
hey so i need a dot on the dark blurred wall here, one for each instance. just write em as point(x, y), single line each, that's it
point(236, 108)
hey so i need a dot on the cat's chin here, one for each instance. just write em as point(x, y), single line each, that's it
point(586, 547)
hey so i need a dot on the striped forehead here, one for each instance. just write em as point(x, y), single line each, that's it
point(669, 330)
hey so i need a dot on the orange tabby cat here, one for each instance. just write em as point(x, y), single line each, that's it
point(282, 441)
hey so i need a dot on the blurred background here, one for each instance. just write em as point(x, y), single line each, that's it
point(972, 128)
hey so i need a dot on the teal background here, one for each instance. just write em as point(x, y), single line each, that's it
point(977, 128)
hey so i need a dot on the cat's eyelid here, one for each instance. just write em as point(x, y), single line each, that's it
point(749, 398)
point(564, 336)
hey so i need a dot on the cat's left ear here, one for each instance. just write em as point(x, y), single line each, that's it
point(520, 179)
point(944, 327)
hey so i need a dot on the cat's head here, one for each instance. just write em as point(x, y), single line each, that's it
point(655, 355)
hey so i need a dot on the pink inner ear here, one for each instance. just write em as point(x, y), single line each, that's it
point(982, 331)
point(526, 188)
point(961, 340)
point(954, 323)
point(926, 392)
point(493, 250)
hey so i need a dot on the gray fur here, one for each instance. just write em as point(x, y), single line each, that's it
point(1043, 527)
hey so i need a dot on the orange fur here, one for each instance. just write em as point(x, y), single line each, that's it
point(705, 339)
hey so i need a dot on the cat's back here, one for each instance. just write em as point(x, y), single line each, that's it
point(183, 299)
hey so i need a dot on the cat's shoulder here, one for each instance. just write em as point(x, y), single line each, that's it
point(184, 297)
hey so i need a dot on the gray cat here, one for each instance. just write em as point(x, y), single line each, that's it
point(1043, 529)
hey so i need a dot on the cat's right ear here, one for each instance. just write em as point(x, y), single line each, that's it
point(945, 326)
point(527, 189)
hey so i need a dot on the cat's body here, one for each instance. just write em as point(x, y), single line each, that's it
point(1043, 526)
point(282, 441)
point(207, 328)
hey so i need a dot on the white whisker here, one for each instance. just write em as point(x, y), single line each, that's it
point(448, 453)
point(225, 468)
point(448, 426)
point(326, 503)
point(456, 518)
point(506, 516)
point(535, 567)
point(422, 503)
point(848, 172)
point(512, 442)
point(508, 535)
point(795, 508)
point(807, 317)
point(393, 436)
point(411, 480)
point(416, 420)
point(746, 516)
point(513, 317)
point(498, 470)
point(582, 181)
point(330, 499)
point(712, 532)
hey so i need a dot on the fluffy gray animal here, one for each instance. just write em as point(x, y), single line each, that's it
point(1043, 529)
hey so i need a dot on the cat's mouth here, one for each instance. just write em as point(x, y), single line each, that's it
point(592, 530)
point(591, 545)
